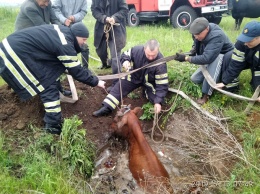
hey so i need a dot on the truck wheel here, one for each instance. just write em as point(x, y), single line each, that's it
point(132, 18)
point(183, 16)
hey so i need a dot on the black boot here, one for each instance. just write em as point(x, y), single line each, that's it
point(103, 66)
point(64, 92)
point(52, 128)
point(67, 93)
point(233, 86)
point(106, 65)
point(103, 111)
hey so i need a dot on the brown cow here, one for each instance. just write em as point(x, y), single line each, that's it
point(146, 168)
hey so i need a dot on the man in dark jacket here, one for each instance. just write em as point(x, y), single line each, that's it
point(108, 13)
point(31, 60)
point(211, 44)
point(153, 79)
point(70, 12)
point(246, 55)
point(35, 13)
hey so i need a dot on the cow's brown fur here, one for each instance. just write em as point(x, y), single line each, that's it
point(145, 166)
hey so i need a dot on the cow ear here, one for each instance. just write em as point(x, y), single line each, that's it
point(138, 111)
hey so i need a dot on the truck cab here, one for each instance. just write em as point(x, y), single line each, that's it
point(180, 12)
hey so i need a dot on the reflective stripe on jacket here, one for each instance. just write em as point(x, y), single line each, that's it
point(35, 57)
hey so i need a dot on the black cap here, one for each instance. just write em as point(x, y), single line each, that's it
point(80, 30)
point(198, 25)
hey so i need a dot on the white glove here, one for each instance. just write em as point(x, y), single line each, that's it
point(157, 108)
point(101, 84)
point(126, 66)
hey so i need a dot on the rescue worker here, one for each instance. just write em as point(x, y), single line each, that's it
point(31, 60)
point(246, 55)
point(209, 47)
point(70, 12)
point(108, 13)
point(154, 79)
point(36, 13)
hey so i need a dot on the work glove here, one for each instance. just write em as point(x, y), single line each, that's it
point(101, 84)
point(180, 57)
point(192, 51)
point(126, 66)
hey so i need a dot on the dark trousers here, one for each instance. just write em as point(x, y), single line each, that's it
point(85, 55)
point(255, 82)
point(115, 55)
point(234, 85)
point(114, 97)
point(226, 61)
point(51, 101)
point(255, 71)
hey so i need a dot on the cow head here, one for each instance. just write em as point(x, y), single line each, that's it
point(123, 117)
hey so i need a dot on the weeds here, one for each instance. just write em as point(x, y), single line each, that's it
point(48, 164)
point(74, 147)
point(133, 95)
point(211, 143)
point(169, 112)
point(148, 111)
point(182, 75)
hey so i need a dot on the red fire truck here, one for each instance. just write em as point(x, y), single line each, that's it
point(180, 12)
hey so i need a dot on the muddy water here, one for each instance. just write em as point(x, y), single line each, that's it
point(114, 175)
point(186, 176)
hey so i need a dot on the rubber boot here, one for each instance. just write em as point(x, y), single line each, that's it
point(52, 128)
point(233, 86)
point(103, 111)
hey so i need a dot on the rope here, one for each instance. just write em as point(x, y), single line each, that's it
point(213, 85)
point(197, 106)
point(118, 68)
point(93, 71)
point(251, 104)
point(73, 91)
point(94, 58)
point(156, 121)
point(107, 28)
point(152, 64)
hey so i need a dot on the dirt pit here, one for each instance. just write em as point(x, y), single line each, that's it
point(190, 152)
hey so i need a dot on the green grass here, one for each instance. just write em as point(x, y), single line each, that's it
point(48, 164)
point(42, 171)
